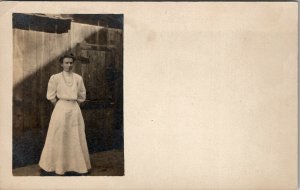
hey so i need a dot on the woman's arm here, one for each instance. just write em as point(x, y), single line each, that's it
point(81, 96)
point(51, 91)
point(53, 101)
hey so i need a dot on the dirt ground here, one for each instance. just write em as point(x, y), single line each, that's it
point(107, 163)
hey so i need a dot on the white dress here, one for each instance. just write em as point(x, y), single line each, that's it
point(66, 148)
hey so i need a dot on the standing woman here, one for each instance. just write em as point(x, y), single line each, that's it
point(65, 149)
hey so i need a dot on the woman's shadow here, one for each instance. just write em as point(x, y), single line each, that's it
point(45, 173)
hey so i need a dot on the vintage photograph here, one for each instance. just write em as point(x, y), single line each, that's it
point(149, 95)
point(68, 94)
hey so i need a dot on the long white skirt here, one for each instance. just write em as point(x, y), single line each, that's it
point(65, 147)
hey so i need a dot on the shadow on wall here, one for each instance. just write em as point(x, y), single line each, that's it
point(36, 50)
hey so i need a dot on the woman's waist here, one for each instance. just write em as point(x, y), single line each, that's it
point(66, 103)
point(67, 99)
point(68, 96)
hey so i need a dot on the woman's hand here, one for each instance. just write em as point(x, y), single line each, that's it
point(54, 101)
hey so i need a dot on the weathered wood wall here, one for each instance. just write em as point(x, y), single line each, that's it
point(35, 60)
point(101, 76)
point(36, 52)
point(32, 55)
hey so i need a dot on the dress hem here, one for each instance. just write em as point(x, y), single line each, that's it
point(61, 173)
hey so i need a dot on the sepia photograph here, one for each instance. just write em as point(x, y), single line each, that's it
point(149, 95)
point(68, 94)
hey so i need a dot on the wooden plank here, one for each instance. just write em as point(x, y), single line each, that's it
point(41, 83)
point(90, 36)
point(100, 75)
point(34, 82)
point(103, 120)
point(94, 75)
point(73, 36)
point(116, 37)
point(29, 82)
point(92, 68)
point(45, 76)
point(18, 36)
point(88, 78)
point(66, 42)
point(60, 49)
point(102, 36)
point(57, 52)
point(18, 53)
point(109, 76)
point(53, 59)
point(18, 49)
point(73, 41)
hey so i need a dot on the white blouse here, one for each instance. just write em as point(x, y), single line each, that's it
point(57, 87)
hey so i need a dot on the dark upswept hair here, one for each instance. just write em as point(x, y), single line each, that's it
point(67, 55)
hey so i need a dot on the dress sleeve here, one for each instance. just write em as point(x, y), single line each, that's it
point(51, 91)
point(81, 91)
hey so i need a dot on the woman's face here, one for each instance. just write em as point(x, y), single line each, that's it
point(67, 64)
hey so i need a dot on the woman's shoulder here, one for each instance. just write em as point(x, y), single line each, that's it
point(77, 76)
point(55, 76)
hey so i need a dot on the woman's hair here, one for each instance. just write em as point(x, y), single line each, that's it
point(68, 55)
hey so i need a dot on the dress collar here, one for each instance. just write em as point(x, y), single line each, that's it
point(67, 73)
